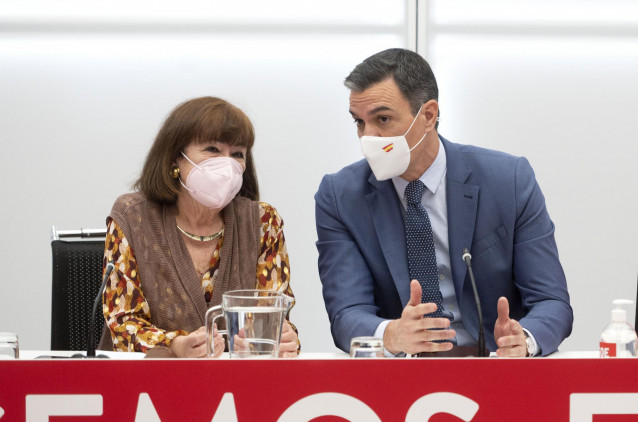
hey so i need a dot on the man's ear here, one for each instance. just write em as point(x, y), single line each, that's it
point(431, 111)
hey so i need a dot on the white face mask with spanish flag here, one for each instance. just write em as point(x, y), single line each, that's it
point(388, 156)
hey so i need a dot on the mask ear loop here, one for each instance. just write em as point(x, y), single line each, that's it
point(189, 160)
point(180, 175)
point(417, 144)
point(413, 122)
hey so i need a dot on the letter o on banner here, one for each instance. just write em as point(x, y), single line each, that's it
point(329, 404)
point(451, 403)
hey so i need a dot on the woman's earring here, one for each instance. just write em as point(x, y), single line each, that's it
point(174, 173)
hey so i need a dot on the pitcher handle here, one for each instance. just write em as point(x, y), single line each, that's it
point(211, 315)
point(288, 302)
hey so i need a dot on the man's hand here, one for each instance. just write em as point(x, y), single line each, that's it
point(508, 333)
point(412, 333)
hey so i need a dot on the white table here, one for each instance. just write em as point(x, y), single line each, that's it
point(32, 354)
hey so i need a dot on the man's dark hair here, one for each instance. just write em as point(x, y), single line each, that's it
point(410, 72)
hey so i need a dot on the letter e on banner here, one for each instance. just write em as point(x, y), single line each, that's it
point(583, 406)
point(40, 406)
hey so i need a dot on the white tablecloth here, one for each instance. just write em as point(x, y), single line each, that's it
point(32, 354)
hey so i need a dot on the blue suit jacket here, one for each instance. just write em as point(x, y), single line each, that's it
point(495, 208)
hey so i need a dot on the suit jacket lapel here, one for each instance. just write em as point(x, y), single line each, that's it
point(385, 210)
point(462, 200)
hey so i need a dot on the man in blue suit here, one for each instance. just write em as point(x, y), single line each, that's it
point(484, 200)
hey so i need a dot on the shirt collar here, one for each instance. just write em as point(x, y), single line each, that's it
point(431, 178)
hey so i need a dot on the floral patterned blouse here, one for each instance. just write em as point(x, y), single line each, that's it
point(126, 310)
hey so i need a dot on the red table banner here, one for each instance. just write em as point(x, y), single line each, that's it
point(410, 390)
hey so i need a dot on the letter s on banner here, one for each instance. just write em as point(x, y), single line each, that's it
point(329, 404)
point(451, 403)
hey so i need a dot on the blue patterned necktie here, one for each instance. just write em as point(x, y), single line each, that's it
point(420, 244)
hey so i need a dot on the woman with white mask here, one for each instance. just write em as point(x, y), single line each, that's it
point(193, 230)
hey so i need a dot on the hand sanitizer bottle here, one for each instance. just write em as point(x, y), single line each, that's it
point(618, 339)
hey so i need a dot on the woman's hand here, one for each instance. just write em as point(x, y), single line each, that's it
point(190, 346)
point(218, 342)
point(289, 343)
point(194, 344)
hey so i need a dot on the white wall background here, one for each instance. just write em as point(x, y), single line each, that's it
point(84, 89)
point(556, 82)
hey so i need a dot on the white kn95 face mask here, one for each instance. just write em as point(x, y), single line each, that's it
point(388, 156)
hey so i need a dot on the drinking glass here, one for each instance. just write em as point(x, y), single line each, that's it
point(366, 347)
point(9, 348)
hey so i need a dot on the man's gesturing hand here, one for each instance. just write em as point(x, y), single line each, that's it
point(412, 333)
point(508, 333)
